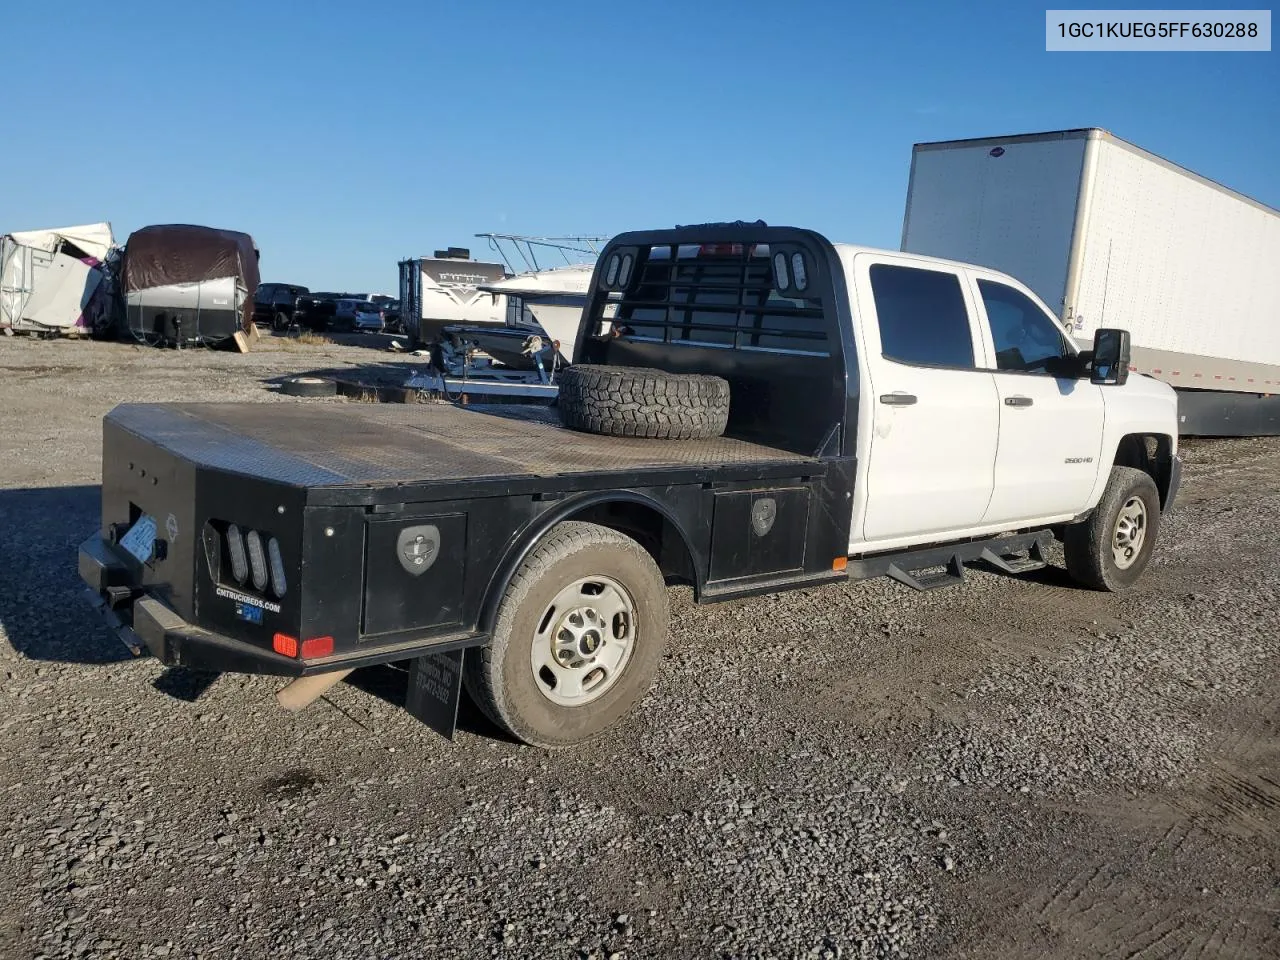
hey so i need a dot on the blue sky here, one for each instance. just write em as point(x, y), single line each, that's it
point(350, 135)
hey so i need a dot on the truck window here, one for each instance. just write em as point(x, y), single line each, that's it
point(1024, 336)
point(922, 314)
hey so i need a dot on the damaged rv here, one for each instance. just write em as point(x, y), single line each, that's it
point(56, 281)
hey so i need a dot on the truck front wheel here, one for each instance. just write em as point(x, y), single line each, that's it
point(577, 640)
point(1110, 549)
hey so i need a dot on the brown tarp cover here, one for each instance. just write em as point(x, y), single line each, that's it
point(182, 253)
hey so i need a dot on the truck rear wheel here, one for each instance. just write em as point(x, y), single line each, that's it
point(577, 641)
point(1110, 549)
point(635, 402)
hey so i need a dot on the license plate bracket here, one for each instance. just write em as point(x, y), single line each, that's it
point(140, 541)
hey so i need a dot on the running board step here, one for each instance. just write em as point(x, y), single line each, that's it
point(1012, 564)
point(950, 576)
point(917, 568)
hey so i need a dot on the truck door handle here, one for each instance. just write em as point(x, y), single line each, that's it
point(897, 399)
point(1018, 401)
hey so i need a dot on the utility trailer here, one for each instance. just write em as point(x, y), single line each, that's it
point(751, 409)
point(1107, 233)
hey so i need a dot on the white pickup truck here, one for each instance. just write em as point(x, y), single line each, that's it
point(752, 409)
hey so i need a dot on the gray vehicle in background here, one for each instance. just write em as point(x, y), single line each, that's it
point(362, 316)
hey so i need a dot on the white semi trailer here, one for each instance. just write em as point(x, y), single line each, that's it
point(1108, 234)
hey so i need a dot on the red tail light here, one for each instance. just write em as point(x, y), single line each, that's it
point(311, 649)
point(317, 647)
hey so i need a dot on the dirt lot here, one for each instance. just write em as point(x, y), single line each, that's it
point(1014, 768)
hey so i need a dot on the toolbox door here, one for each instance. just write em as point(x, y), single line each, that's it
point(414, 573)
point(757, 532)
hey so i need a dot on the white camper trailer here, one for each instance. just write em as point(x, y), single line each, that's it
point(443, 290)
point(1108, 234)
point(52, 281)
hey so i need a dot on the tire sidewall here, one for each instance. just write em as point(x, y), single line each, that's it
point(309, 388)
point(1141, 486)
point(634, 402)
point(532, 716)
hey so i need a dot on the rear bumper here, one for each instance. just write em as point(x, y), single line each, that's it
point(142, 620)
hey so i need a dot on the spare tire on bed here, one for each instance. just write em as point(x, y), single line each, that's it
point(637, 402)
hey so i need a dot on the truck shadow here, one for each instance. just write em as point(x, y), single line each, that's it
point(185, 683)
point(42, 608)
point(390, 683)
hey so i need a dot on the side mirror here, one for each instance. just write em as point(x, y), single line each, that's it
point(1110, 357)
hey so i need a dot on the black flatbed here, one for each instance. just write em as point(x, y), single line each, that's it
point(299, 538)
point(356, 453)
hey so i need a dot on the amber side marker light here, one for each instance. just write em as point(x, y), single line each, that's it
point(311, 649)
point(285, 645)
point(839, 563)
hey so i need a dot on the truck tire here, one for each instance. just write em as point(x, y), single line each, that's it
point(1110, 549)
point(633, 402)
point(577, 640)
point(280, 321)
point(309, 387)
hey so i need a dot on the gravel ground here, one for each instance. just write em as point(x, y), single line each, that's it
point(1011, 768)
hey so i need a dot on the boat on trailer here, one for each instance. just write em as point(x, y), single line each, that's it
point(548, 285)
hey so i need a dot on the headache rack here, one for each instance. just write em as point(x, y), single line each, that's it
point(719, 295)
point(762, 307)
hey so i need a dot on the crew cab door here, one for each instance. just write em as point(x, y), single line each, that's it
point(1050, 426)
point(935, 416)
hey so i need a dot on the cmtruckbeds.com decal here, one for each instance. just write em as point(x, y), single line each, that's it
point(245, 598)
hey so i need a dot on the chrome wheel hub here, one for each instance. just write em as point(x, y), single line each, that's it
point(583, 641)
point(1130, 532)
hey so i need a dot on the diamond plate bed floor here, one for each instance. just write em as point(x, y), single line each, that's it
point(324, 444)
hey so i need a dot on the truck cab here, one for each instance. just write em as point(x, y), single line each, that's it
point(979, 413)
point(960, 403)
